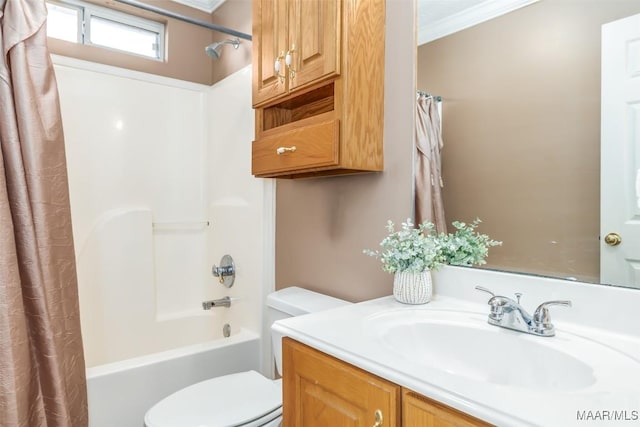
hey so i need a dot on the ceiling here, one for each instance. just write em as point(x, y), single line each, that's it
point(439, 18)
point(204, 5)
point(436, 18)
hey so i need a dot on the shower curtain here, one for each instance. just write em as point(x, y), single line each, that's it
point(428, 176)
point(42, 372)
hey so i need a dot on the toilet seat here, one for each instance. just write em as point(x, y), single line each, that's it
point(246, 399)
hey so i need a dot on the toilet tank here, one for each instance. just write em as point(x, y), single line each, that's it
point(291, 302)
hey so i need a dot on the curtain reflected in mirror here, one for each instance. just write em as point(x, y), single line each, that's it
point(428, 168)
point(522, 131)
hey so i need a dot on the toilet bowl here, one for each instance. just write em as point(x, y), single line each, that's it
point(245, 399)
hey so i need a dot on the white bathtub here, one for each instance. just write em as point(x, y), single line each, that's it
point(120, 393)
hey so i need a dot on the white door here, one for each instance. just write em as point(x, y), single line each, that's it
point(620, 161)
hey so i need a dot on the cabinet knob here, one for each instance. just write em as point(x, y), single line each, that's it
point(377, 418)
point(277, 66)
point(282, 150)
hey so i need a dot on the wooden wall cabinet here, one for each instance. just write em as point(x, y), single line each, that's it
point(322, 114)
point(320, 390)
point(307, 31)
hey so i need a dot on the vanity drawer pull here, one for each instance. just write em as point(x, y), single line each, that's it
point(282, 150)
point(377, 418)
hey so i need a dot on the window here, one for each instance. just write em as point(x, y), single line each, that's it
point(63, 22)
point(89, 24)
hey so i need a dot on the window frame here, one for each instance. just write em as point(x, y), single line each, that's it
point(89, 10)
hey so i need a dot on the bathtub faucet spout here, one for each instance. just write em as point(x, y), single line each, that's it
point(222, 302)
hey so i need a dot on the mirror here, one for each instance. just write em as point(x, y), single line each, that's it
point(521, 130)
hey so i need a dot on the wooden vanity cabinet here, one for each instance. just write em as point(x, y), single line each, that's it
point(419, 411)
point(320, 390)
point(323, 114)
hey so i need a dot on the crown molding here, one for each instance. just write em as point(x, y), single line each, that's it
point(204, 5)
point(468, 18)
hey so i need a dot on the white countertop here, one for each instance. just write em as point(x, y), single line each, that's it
point(351, 333)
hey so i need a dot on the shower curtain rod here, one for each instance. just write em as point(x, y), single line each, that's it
point(163, 12)
point(427, 95)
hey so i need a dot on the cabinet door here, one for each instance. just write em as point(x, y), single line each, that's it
point(314, 40)
point(270, 21)
point(322, 391)
point(418, 411)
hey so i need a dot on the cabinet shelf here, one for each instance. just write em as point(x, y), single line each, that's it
point(301, 107)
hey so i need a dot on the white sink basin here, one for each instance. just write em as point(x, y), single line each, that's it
point(464, 345)
point(447, 351)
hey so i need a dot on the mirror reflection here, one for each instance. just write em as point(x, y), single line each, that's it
point(522, 130)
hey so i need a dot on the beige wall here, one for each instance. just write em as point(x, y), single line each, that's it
point(521, 126)
point(234, 14)
point(186, 59)
point(322, 225)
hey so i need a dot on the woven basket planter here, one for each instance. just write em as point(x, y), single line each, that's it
point(413, 288)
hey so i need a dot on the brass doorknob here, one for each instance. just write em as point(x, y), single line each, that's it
point(613, 239)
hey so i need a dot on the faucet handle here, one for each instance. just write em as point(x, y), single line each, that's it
point(543, 320)
point(496, 302)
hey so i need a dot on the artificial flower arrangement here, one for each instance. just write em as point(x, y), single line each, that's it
point(413, 251)
point(418, 249)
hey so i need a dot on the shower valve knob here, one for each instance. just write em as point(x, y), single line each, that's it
point(226, 272)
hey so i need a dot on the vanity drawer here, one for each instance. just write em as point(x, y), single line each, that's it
point(316, 148)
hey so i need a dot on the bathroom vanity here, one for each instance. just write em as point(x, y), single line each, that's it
point(443, 364)
point(320, 390)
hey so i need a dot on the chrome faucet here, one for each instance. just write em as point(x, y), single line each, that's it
point(507, 313)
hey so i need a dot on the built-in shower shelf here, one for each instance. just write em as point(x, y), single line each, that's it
point(182, 225)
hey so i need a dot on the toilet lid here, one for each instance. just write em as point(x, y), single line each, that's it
point(246, 398)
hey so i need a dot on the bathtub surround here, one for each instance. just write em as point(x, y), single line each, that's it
point(159, 173)
point(160, 191)
point(42, 377)
point(135, 152)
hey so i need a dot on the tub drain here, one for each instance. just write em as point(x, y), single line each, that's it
point(226, 330)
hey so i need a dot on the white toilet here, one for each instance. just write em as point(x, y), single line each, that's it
point(246, 399)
